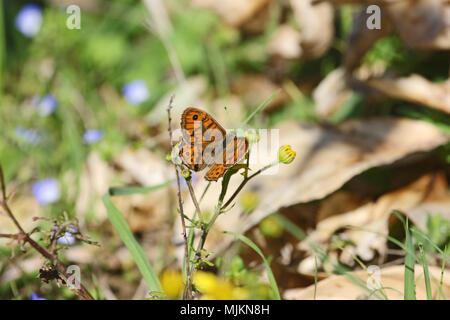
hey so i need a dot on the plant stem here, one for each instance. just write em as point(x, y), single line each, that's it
point(243, 183)
point(187, 291)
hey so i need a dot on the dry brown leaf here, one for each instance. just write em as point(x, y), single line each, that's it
point(374, 218)
point(416, 89)
point(316, 22)
point(25, 207)
point(95, 178)
point(144, 211)
point(340, 287)
point(331, 93)
point(422, 24)
point(254, 89)
point(419, 214)
point(233, 12)
point(285, 42)
point(361, 38)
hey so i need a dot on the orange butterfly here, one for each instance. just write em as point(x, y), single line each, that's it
point(206, 144)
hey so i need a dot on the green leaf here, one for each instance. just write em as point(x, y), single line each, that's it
point(120, 224)
point(124, 191)
point(252, 245)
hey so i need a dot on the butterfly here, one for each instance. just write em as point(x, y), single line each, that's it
point(206, 143)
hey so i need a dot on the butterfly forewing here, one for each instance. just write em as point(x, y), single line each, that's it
point(197, 126)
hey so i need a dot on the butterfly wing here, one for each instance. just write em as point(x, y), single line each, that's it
point(195, 123)
point(234, 150)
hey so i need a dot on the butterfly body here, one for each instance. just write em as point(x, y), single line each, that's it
point(206, 144)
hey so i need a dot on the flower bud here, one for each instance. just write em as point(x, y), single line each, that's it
point(271, 227)
point(249, 201)
point(186, 173)
point(286, 155)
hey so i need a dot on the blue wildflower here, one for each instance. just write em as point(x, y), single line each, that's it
point(34, 296)
point(136, 92)
point(46, 191)
point(92, 136)
point(29, 20)
point(72, 229)
point(67, 239)
point(30, 136)
point(47, 105)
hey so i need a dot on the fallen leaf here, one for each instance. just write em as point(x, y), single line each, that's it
point(316, 22)
point(374, 218)
point(422, 24)
point(331, 93)
point(285, 42)
point(415, 89)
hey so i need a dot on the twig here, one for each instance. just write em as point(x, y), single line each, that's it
point(243, 183)
point(204, 191)
point(23, 236)
point(187, 291)
point(194, 198)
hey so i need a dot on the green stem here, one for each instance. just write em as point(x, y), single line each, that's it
point(243, 183)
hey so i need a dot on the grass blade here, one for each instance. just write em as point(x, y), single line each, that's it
point(410, 287)
point(260, 107)
point(290, 227)
point(315, 276)
point(120, 224)
point(426, 273)
point(125, 191)
point(442, 276)
point(252, 245)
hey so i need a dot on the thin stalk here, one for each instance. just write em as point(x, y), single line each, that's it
point(187, 292)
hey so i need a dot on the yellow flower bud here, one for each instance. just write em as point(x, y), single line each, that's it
point(172, 283)
point(169, 157)
point(286, 155)
point(249, 200)
point(271, 227)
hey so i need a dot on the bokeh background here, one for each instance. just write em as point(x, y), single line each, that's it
point(366, 110)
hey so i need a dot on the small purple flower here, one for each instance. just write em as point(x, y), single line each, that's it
point(92, 136)
point(30, 136)
point(136, 92)
point(67, 239)
point(29, 20)
point(72, 229)
point(34, 296)
point(46, 191)
point(47, 105)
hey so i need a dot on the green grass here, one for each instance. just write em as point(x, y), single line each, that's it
point(251, 244)
point(121, 226)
